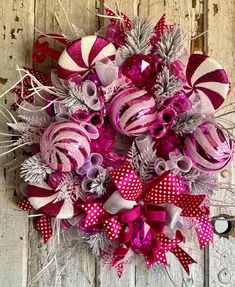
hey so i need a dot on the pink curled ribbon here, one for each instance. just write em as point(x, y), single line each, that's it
point(141, 229)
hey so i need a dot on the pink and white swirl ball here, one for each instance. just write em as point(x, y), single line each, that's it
point(132, 111)
point(209, 148)
point(65, 146)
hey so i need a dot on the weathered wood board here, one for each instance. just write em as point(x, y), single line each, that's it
point(22, 254)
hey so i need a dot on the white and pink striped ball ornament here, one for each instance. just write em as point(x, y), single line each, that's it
point(65, 145)
point(209, 148)
point(132, 111)
point(43, 198)
point(80, 56)
point(207, 82)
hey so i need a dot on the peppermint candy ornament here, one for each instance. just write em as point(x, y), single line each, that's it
point(207, 82)
point(65, 145)
point(132, 111)
point(81, 56)
point(46, 200)
point(209, 148)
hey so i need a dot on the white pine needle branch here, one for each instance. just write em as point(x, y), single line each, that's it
point(138, 38)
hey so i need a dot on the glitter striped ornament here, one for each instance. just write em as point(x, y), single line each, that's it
point(209, 148)
point(65, 145)
point(81, 56)
point(207, 81)
point(132, 111)
point(45, 199)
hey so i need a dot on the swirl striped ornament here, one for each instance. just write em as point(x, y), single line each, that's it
point(44, 199)
point(132, 111)
point(209, 148)
point(207, 80)
point(65, 146)
point(81, 56)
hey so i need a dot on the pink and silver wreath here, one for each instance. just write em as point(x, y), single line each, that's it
point(122, 142)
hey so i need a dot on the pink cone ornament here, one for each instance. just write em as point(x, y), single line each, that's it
point(209, 148)
point(140, 69)
point(65, 145)
point(206, 78)
point(80, 57)
point(43, 198)
point(132, 111)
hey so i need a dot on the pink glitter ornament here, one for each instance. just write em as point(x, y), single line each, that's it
point(209, 148)
point(132, 111)
point(65, 145)
point(80, 57)
point(140, 69)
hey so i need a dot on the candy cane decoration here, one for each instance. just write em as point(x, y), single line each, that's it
point(81, 56)
point(45, 199)
point(207, 79)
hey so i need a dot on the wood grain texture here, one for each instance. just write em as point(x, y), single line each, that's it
point(24, 256)
point(16, 33)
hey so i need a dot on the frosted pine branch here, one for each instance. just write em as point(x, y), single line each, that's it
point(74, 99)
point(34, 170)
point(171, 44)
point(133, 157)
point(187, 122)
point(166, 84)
point(146, 158)
point(98, 243)
point(138, 38)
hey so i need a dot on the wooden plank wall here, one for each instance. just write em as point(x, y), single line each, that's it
point(22, 253)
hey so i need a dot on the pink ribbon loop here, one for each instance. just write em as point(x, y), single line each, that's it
point(127, 181)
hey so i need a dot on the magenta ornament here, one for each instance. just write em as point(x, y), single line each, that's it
point(65, 145)
point(139, 69)
point(95, 79)
point(209, 148)
point(168, 143)
point(132, 111)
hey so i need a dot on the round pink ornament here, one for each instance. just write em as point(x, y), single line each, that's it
point(65, 145)
point(80, 57)
point(139, 69)
point(209, 148)
point(207, 79)
point(132, 111)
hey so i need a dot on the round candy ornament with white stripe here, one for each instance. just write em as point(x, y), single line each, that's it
point(207, 81)
point(43, 198)
point(80, 57)
point(65, 145)
point(132, 111)
point(209, 148)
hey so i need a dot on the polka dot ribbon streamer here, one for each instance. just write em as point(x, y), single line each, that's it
point(127, 182)
point(24, 204)
point(44, 226)
point(111, 14)
point(169, 188)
